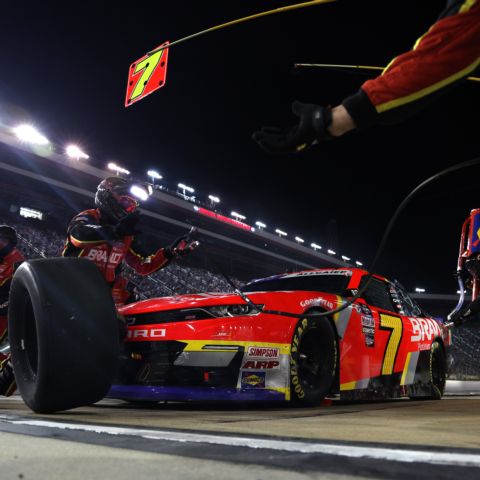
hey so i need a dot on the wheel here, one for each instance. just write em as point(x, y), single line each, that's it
point(431, 374)
point(313, 361)
point(63, 332)
point(438, 370)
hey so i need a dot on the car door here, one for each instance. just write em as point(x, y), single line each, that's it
point(387, 357)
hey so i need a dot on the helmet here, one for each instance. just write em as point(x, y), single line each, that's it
point(114, 199)
point(8, 233)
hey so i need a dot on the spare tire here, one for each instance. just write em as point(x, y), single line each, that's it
point(63, 333)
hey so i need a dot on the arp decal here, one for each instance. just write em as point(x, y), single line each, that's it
point(253, 379)
point(258, 364)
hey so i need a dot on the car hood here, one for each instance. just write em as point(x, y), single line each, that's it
point(184, 301)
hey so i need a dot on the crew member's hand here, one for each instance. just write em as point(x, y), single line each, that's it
point(183, 245)
point(312, 128)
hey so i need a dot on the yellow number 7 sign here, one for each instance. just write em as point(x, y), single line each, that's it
point(147, 74)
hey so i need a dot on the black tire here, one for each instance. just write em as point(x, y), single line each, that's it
point(63, 333)
point(438, 370)
point(431, 374)
point(313, 361)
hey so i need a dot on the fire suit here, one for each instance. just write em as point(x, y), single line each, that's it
point(10, 260)
point(91, 236)
point(441, 58)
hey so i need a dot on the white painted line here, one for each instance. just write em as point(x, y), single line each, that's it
point(353, 451)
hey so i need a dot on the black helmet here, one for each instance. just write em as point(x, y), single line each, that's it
point(114, 198)
point(8, 233)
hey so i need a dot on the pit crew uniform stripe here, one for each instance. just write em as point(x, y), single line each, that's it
point(428, 90)
point(80, 243)
point(410, 368)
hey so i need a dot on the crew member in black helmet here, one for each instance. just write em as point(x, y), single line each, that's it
point(108, 235)
point(10, 260)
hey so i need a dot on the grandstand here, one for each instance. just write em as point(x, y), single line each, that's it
point(57, 188)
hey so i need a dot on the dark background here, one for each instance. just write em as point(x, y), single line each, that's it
point(64, 66)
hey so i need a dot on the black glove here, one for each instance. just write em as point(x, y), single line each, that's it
point(127, 226)
point(183, 245)
point(312, 128)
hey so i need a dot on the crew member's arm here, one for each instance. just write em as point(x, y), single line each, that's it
point(142, 262)
point(145, 264)
point(84, 230)
point(441, 58)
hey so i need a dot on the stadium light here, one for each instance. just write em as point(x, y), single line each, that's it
point(299, 240)
point(139, 192)
point(315, 246)
point(29, 134)
point(420, 290)
point(30, 213)
point(213, 200)
point(331, 252)
point(118, 170)
point(281, 233)
point(260, 225)
point(346, 259)
point(73, 151)
point(360, 264)
point(238, 216)
point(154, 175)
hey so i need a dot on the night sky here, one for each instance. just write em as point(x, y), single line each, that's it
point(65, 66)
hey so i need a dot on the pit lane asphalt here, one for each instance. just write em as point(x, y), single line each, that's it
point(267, 441)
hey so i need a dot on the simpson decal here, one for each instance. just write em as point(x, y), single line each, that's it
point(263, 352)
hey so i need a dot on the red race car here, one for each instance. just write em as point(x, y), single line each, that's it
point(218, 347)
point(66, 350)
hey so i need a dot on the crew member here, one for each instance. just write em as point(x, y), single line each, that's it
point(10, 259)
point(440, 59)
point(108, 236)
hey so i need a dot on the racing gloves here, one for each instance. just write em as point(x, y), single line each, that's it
point(183, 245)
point(312, 128)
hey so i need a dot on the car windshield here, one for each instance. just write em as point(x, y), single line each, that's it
point(328, 283)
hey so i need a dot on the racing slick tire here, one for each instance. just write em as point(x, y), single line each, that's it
point(313, 361)
point(436, 374)
point(438, 370)
point(63, 332)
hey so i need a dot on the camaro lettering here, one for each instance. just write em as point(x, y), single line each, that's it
point(153, 333)
point(424, 329)
point(263, 352)
point(261, 364)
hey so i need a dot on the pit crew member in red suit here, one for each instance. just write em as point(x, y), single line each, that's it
point(108, 236)
point(440, 60)
point(10, 259)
